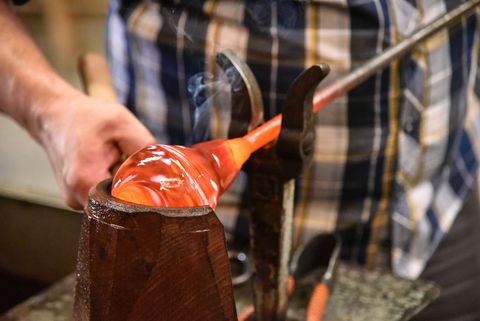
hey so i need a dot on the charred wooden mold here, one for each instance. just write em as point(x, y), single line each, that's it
point(148, 263)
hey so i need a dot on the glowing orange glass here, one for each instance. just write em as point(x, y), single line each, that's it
point(178, 176)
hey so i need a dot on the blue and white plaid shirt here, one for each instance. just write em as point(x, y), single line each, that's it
point(394, 158)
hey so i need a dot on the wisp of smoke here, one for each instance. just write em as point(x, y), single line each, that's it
point(204, 91)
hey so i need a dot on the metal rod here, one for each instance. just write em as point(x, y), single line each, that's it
point(270, 130)
point(341, 86)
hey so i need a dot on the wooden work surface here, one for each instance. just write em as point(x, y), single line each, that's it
point(358, 295)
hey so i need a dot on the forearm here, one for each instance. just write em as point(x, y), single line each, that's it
point(83, 136)
point(27, 82)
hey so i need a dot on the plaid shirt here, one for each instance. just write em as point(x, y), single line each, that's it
point(395, 157)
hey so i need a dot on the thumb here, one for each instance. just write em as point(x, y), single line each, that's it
point(130, 142)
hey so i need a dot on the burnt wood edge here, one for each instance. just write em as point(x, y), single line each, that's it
point(100, 195)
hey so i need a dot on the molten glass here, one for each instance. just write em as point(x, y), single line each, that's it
point(177, 176)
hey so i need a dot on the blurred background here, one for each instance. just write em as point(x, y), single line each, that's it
point(38, 233)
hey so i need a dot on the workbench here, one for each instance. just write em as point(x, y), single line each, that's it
point(358, 295)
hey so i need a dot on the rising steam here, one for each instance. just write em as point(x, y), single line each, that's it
point(206, 91)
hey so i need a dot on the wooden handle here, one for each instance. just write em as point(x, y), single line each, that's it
point(95, 76)
point(97, 82)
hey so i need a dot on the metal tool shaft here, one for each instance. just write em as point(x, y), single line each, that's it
point(264, 134)
point(343, 85)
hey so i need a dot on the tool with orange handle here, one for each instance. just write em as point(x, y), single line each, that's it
point(317, 260)
point(319, 255)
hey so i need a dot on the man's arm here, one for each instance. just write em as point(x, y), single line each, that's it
point(82, 136)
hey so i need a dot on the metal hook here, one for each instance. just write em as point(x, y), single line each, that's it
point(247, 104)
point(297, 135)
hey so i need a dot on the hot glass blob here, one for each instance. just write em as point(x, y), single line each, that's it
point(178, 176)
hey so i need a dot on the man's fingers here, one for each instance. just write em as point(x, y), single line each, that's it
point(135, 137)
point(116, 165)
point(78, 184)
point(73, 203)
point(83, 149)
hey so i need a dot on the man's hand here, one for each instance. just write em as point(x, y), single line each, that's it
point(83, 138)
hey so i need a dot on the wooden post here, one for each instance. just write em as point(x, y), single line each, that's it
point(139, 263)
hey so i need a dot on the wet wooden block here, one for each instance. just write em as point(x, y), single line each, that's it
point(144, 263)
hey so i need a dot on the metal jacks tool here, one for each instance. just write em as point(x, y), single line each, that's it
point(271, 172)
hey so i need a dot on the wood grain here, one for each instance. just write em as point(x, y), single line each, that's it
point(140, 263)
